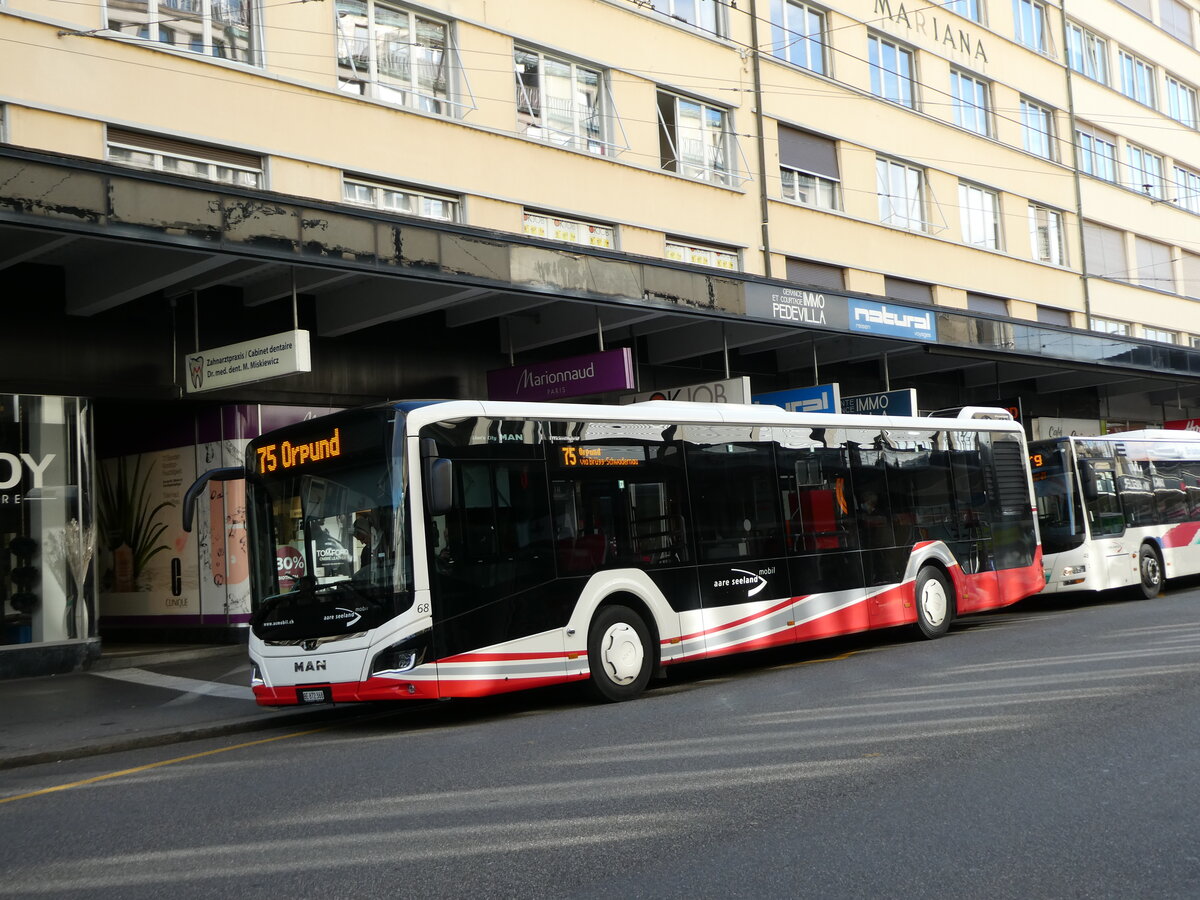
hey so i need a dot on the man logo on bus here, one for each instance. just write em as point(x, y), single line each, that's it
point(196, 368)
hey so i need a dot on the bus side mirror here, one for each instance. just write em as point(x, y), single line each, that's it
point(1087, 483)
point(229, 473)
point(439, 479)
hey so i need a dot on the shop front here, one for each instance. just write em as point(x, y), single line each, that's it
point(48, 534)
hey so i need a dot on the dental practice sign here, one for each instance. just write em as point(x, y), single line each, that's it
point(256, 360)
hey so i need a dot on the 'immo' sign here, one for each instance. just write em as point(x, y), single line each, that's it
point(257, 360)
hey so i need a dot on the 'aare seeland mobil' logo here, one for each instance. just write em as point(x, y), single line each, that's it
point(196, 370)
point(753, 582)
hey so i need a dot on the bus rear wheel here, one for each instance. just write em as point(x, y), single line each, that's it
point(1151, 568)
point(620, 656)
point(934, 597)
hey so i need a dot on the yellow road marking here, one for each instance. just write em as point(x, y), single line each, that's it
point(165, 762)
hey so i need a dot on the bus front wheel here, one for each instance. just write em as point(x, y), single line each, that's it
point(620, 656)
point(934, 597)
point(1151, 568)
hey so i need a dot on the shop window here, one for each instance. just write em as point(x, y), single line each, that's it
point(48, 532)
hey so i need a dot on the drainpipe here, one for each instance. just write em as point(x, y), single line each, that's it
point(1075, 173)
point(764, 206)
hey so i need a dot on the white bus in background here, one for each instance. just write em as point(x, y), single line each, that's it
point(428, 550)
point(1118, 510)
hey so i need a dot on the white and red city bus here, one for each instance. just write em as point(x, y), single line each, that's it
point(466, 548)
point(1118, 510)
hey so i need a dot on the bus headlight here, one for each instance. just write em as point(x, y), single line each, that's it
point(401, 657)
point(1074, 574)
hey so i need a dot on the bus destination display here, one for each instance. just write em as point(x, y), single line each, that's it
point(286, 455)
point(596, 456)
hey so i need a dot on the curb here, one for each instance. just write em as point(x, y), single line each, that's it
point(137, 659)
point(331, 716)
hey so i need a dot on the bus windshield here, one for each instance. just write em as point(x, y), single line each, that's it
point(1060, 516)
point(326, 502)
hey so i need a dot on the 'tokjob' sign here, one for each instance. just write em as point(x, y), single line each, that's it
point(609, 370)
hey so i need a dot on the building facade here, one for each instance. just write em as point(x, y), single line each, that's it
point(987, 201)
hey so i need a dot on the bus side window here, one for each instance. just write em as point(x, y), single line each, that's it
point(734, 501)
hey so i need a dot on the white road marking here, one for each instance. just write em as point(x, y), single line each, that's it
point(184, 685)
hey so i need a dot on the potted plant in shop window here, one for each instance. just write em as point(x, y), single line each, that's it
point(127, 522)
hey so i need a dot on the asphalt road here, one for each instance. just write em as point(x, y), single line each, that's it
point(1048, 751)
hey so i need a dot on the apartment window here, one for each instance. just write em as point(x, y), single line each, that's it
point(983, 303)
point(1158, 334)
point(901, 190)
point(1139, 6)
point(1181, 102)
point(562, 102)
point(225, 29)
point(1097, 153)
point(968, 9)
point(971, 106)
point(569, 230)
point(891, 71)
point(1195, 342)
point(3, 131)
point(808, 169)
point(164, 154)
point(1176, 19)
point(1087, 53)
point(798, 34)
point(904, 289)
point(1110, 326)
point(1187, 190)
point(399, 199)
point(979, 210)
point(1154, 265)
point(394, 54)
point(1046, 235)
point(704, 14)
point(816, 274)
point(694, 138)
point(1104, 251)
point(1029, 19)
point(1189, 266)
point(702, 255)
point(1137, 78)
point(1145, 171)
point(1049, 315)
point(1037, 129)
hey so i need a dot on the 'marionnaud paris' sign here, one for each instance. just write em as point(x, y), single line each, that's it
point(576, 376)
point(267, 357)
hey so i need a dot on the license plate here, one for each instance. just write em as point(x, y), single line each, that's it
point(314, 694)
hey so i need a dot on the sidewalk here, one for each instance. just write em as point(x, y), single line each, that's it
point(135, 697)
